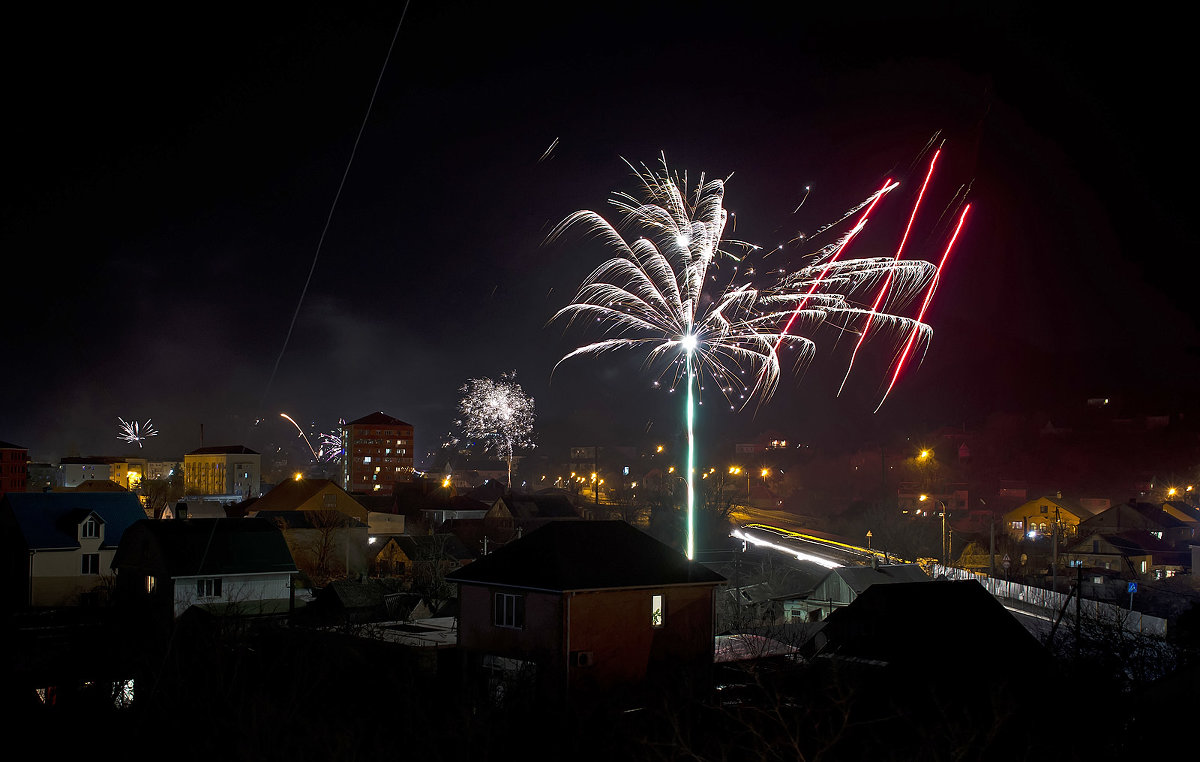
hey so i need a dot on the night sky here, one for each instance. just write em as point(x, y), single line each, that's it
point(169, 171)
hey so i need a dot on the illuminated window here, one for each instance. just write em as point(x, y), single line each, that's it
point(151, 584)
point(89, 563)
point(656, 611)
point(208, 588)
point(1018, 525)
point(509, 611)
point(1143, 567)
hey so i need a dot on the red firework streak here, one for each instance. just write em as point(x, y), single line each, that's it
point(862, 221)
point(888, 282)
point(925, 305)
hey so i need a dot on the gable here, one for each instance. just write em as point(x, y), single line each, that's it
point(51, 520)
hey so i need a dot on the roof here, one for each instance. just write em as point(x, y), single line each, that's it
point(290, 494)
point(224, 450)
point(377, 418)
point(48, 520)
point(540, 506)
point(867, 630)
point(1127, 542)
point(193, 547)
point(585, 555)
point(859, 578)
point(94, 485)
point(10, 446)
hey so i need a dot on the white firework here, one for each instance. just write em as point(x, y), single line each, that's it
point(133, 432)
point(651, 297)
point(498, 414)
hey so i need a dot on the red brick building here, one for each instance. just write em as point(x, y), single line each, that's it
point(586, 611)
point(13, 471)
point(378, 453)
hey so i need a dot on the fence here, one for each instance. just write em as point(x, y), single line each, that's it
point(1038, 597)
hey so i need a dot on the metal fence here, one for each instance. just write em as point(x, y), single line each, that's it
point(1053, 602)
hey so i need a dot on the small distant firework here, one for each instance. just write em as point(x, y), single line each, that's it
point(332, 448)
point(497, 413)
point(132, 431)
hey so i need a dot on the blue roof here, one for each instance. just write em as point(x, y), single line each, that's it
point(51, 519)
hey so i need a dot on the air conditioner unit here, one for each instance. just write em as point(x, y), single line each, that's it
point(583, 658)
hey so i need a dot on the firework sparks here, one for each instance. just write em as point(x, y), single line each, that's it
point(498, 414)
point(651, 297)
point(134, 432)
point(302, 434)
point(332, 448)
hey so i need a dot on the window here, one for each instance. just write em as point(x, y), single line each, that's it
point(1045, 509)
point(151, 584)
point(208, 588)
point(90, 563)
point(1018, 525)
point(329, 501)
point(656, 611)
point(1143, 567)
point(509, 611)
point(90, 528)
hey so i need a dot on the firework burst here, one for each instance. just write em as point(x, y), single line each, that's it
point(134, 432)
point(651, 296)
point(497, 413)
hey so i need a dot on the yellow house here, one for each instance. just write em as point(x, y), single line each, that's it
point(310, 495)
point(1039, 517)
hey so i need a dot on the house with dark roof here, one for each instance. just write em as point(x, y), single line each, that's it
point(586, 611)
point(1170, 522)
point(842, 585)
point(900, 631)
point(57, 547)
point(225, 566)
point(1127, 554)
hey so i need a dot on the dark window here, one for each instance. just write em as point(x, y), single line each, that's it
point(510, 610)
point(208, 588)
point(90, 563)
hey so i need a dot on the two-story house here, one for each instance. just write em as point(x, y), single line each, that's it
point(577, 610)
point(227, 566)
point(58, 547)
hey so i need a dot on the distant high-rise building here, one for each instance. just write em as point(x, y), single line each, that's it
point(378, 452)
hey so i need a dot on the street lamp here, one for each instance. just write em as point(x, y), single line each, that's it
point(945, 549)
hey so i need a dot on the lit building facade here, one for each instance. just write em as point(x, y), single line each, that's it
point(128, 472)
point(378, 453)
point(229, 470)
